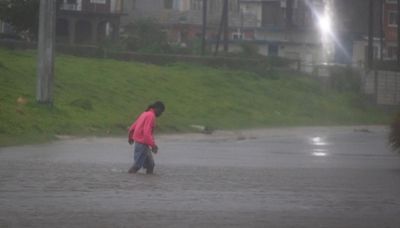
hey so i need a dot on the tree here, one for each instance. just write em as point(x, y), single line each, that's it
point(289, 14)
point(145, 35)
point(370, 34)
point(398, 32)
point(22, 14)
point(394, 134)
point(204, 28)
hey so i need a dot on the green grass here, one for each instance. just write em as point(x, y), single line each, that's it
point(102, 97)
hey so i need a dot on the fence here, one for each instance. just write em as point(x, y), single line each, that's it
point(99, 52)
point(384, 86)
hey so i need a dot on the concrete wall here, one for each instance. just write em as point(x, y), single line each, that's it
point(251, 14)
point(360, 48)
point(384, 86)
point(301, 36)
point(306, 54)
point(359, 53)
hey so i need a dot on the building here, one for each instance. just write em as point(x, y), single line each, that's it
point(285, 28)
point(288, 28)
point(183, 18)
point(6, 28)
point(352, 29)
point(88, 21)
point(390, 24)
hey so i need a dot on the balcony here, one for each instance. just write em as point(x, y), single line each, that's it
point(93, 6)
point(70, 7)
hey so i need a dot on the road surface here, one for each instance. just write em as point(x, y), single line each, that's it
point(288, 177)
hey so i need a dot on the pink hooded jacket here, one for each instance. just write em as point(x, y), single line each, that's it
point(141, 130)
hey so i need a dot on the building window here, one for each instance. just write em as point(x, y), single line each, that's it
point(70, 5)
point(392, 52)
point(215, 6)
point(392, 18)
point(172, 4)
point(196, 4)
point(168, 4)
point(237, 36)
point(272, 15)
point(133, 4)
point(98, 1)
point(234, 7)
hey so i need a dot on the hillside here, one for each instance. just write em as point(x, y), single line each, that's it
point(102, 97)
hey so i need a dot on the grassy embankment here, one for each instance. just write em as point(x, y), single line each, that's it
point(102, 97)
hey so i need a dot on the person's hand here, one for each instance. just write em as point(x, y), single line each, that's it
point(130, 141)
point(154, 149)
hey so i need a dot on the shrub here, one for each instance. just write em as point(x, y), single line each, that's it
point(249, 49)
point(345, 79)
point(145, 35)
point(394, 134)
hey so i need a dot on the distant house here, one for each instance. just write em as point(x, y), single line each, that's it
point(8, 32)
point(384, 29)
point(265, 23)
point(88, 21)
point(351, 19)
point(287, 28)
point(390, 29)
point(6, 28)
point(182, 19)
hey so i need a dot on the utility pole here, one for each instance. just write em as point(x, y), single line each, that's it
point(398, 32)
point(221, 25)
point(45, 67)
point(371, 34)
point(289, 14)
point(226, 27)
point(381, 25)
point(204, 28)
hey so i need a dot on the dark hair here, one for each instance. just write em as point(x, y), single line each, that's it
point(157, 105)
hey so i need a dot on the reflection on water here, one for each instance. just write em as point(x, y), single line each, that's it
point(319, 143)
point(320, 152)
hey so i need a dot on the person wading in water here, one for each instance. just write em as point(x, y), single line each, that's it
point(141, 135)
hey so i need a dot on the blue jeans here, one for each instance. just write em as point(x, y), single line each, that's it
point(142, 158)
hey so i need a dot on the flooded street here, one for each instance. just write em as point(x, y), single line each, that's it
point(289, 177)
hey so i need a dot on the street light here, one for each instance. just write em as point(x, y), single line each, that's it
point(325, 24)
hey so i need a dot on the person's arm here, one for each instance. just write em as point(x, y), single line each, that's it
point(130, 133)
point(148, 131)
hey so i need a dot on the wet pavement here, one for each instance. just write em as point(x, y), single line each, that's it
point(293, 177)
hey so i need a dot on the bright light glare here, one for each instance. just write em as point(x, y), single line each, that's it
point(320, 152)
point(318, 141)
point(325, 24)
